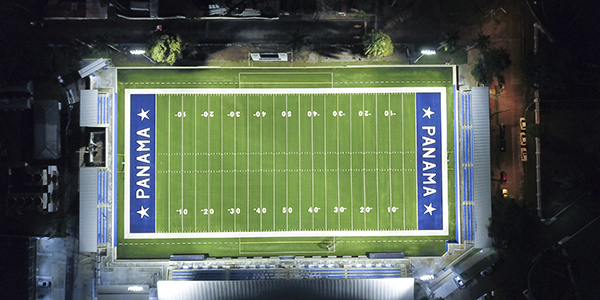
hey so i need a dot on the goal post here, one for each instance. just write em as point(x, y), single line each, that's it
point(270, 57)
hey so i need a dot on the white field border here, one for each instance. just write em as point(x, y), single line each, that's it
point(304, 233)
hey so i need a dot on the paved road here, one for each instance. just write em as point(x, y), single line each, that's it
point(212, 31)
point(514, 32)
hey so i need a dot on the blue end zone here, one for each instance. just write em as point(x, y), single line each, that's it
point(429, 161)
point(142, 164)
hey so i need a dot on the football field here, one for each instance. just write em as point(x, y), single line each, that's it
point(285, 157)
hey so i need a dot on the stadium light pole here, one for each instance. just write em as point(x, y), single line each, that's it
point(142, 53)
point(423, 53)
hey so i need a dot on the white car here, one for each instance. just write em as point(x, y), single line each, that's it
point(459, 282)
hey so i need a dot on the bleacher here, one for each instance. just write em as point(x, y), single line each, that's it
point(95, 108)
point(267, 272)
point(466, 167)
point(103, 109)
point(103, 210)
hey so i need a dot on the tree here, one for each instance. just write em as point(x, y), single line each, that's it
point(451, 41)
point(297, 40)
point(490, 64)
point(167, 49)
point(481, 43)
point(378, 44)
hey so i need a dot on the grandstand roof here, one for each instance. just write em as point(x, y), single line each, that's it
point(481, 165)
point(388, 288)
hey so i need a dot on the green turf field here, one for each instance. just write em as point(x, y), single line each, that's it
point(285, 162)
point(269, 162)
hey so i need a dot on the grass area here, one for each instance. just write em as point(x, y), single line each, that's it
point(256, 167)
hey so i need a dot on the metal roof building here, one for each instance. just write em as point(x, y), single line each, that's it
point(382, 289)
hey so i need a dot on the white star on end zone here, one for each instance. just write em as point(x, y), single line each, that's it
point(427, 112)
point(429, 209)
point(144, 114)
point(143, 212)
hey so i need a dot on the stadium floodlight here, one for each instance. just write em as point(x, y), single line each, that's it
point(426, 277)
point(137, 52)
point(135, 288)
point(423, 53)
point(141, 52)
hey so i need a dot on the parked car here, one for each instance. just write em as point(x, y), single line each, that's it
point(459, 282)
point(489, 270)
point(522, 124)
point(523, 138)
point(503, 177)
point(523, 154)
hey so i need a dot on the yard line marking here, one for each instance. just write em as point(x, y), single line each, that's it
point(169, 165)
point(286, 165)
point(208, 200)
point(390, 155)
point(234, 164)
point(195, 162)
point(351, 173)
point(312, 159)
point(403, 169)
point(325, 153)
point(377, 157)
point(337, 105)
point(274, 181)
point(261, 162)
point(300, 167)
point(363, 161)
point(181, 208)
point(247, 164)
point(221, 117)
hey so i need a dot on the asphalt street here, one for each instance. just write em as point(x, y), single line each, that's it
point(211, 31)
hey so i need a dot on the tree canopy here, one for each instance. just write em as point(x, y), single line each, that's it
point(297, 40)
point(167, 49)
point(451, 41)
point(490, 64)
point(378, 44)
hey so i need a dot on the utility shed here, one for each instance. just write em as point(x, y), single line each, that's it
point(46, 132)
